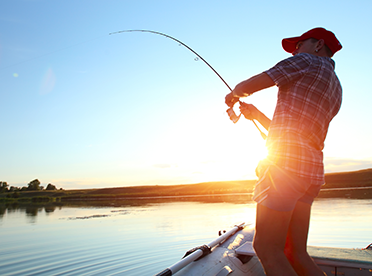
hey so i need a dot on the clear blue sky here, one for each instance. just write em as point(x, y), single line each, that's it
point(83, 109)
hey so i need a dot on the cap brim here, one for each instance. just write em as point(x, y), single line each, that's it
point(289, 44)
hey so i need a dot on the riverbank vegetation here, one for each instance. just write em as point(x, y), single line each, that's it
point(357, 184)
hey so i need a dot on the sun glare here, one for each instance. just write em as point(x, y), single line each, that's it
point(226, 152)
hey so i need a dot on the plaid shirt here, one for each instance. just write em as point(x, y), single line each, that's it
point(309, 97)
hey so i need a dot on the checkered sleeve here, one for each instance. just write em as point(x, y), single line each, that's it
point(289, 70)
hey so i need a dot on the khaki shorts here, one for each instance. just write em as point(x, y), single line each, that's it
point(280, 190)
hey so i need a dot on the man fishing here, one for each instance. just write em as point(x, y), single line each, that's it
point(290, 177)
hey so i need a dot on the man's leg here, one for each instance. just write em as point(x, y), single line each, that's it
point(296, 244)
point(270, 239)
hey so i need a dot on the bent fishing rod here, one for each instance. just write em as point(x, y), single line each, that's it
point(230, 111)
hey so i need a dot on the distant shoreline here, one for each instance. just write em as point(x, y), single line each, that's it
point(356, 184)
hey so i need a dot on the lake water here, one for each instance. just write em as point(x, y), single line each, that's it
point(144, 237)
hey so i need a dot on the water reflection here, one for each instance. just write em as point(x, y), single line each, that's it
point(30, 209)
point(49, 209)
point(2, 210)
point(33, 209)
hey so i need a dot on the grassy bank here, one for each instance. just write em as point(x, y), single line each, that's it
point(356, 184)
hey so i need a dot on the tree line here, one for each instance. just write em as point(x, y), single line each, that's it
point(34, 185)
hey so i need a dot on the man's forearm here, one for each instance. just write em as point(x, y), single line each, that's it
point(263, 120)
point(253, 84)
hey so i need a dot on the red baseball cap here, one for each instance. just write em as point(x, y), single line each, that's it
point(289, 44)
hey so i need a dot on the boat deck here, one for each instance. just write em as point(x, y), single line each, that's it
point(343, 261)
point(333, 261)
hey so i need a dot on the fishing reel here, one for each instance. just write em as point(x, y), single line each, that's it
point(233, 117)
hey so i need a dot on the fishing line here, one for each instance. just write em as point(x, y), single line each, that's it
point(180, 42)
point(230, 111)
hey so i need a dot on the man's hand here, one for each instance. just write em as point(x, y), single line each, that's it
point(249, 111)
point(230, 99)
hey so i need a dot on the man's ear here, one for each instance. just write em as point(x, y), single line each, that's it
point(320, 44)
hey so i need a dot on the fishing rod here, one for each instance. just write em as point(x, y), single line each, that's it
point(230, 111)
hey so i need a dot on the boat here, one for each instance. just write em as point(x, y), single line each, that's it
point(232, 254)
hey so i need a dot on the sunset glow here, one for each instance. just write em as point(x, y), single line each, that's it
point(85, 109)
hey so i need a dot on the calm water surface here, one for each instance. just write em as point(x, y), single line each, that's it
point(143, 238)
